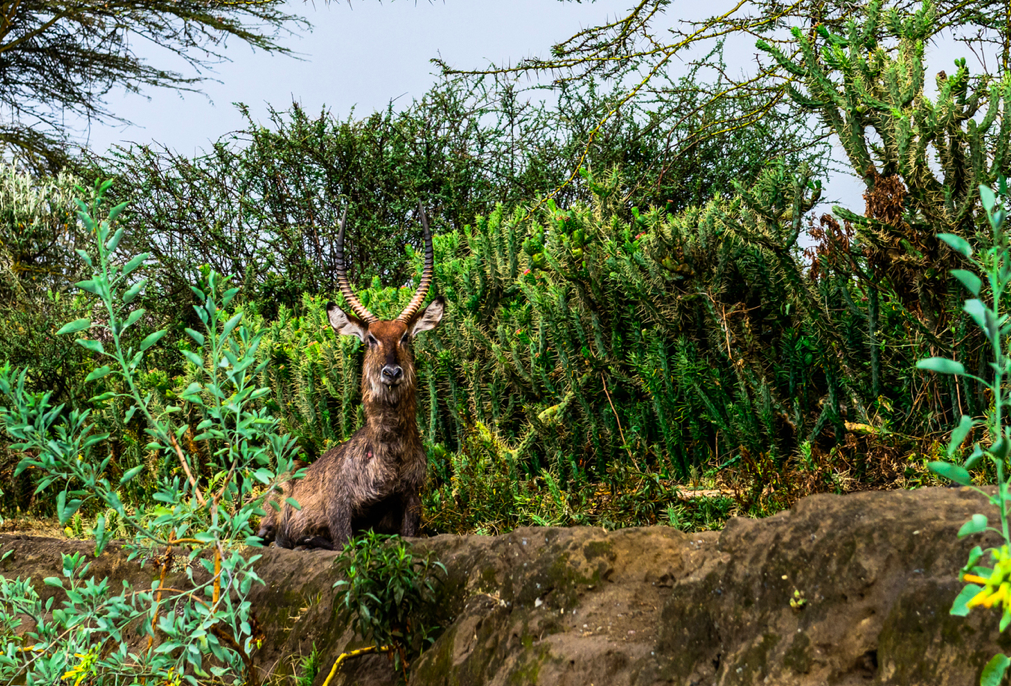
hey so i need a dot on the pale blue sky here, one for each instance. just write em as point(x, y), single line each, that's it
point(363, 55)
point(359, 56)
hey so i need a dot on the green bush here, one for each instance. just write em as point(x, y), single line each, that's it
point(389, 595)
point(208, 638)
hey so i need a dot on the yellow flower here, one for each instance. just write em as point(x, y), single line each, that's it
point(82, 670)
point(996, 590)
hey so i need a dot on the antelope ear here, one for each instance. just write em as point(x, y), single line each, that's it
point(429, 317)
point(344, 323)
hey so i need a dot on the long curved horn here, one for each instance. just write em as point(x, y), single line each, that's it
point(426, 274)
point(342, 280)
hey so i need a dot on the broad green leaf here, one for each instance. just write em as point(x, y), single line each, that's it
point(152, 339)
point(85, 256)
point(90, 286)
point(101, 535)
point(994, 671)
point(133, 291)
point(986, 195)
point(293, 503)
point(134, 262)
point(132, 319)
point(114, 241)
point(959, 434)
point(195, 359)
point(53, 581)
point(940, 365)
point(93, 346)
point(951, 472)
point(977, 455)
point(231, 324)
point(65, 510)
point(115, 211)
point(98, 373)
point(263, 475)
point(960, 607)
point(195, 335)
point(997, 219)
point(976, 525)
point(999, 450)
point(956, 243)
point(974, 556)
point(977, 310)
point(992, 326)
point(130, 473)
point(75, 326)
point(971, 282)
point(86, 219)
point(24, 464)
point(135, 360)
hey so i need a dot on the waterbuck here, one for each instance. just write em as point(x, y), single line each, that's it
point(374, 479)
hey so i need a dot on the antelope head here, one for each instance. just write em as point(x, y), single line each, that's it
point(388, 370)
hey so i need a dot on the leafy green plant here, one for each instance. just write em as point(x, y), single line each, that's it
point(308, 668)
point(389, 595)
point(208, 639)
point(988, 586)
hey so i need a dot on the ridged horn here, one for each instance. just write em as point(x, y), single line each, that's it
point(426, 274)
point(342, 280)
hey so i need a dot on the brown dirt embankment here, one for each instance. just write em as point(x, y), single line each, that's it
point(872, 577)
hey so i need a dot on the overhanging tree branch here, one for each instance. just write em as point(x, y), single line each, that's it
point(632, 48)
point(60, 56)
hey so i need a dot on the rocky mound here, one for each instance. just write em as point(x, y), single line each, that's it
point(871, 576)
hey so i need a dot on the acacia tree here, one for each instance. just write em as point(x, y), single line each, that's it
point(65, 56)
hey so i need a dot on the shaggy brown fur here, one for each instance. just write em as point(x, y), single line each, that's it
point(374, 480)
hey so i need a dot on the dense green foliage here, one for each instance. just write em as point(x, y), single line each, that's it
point(630, 315)
point(265, 203)
point(654, 325)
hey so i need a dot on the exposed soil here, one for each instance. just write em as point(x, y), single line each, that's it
point(872, 575)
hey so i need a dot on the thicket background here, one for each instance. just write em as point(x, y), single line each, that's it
point(654, 326)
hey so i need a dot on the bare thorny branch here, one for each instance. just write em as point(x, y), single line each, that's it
point(635, 49)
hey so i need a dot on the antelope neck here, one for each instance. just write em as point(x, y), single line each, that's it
point(392, 422)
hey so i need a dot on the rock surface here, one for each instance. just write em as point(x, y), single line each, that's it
point(876, 572)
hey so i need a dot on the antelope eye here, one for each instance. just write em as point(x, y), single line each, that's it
point(405, 339)
point(372, 341)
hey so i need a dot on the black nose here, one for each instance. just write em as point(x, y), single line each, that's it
point(391, 373)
